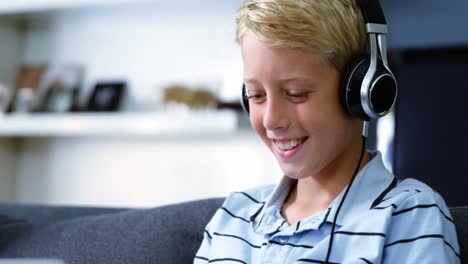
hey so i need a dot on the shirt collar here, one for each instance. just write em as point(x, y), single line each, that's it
point(266, 219)
point(373, 180)
point(370, 183)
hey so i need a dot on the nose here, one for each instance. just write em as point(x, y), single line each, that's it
point(275, 116)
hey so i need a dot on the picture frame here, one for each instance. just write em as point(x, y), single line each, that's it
point(58, 100)
point(30, 75)
point(28, 80)
point(106, 96)
point(59, 89)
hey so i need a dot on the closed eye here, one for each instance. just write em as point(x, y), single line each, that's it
point(298, 96)
point(256, 97)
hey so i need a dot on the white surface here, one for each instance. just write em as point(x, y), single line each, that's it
point(140, 171)
point(23, 6)
point(136, 171)
point(118, 124)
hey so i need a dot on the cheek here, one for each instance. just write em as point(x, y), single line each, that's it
point(256, 121)
point(321, 119)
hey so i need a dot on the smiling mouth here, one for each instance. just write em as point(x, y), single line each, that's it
point(286, 145)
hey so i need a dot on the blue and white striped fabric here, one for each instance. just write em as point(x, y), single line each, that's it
point(381, 221)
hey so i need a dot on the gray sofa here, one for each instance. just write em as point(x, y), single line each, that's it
point(81, 235)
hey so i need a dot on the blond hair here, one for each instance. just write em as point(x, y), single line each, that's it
point(334, 29)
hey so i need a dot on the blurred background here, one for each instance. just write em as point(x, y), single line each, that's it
point(135, 102)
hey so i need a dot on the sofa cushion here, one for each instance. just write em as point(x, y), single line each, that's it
point(168, 234)
point(43, 214)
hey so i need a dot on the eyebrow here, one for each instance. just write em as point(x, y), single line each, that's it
point(283, 80)
point(296, 78)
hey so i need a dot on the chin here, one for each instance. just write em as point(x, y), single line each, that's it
point(293, 172)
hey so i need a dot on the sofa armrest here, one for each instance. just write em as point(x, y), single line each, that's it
point(460, 217)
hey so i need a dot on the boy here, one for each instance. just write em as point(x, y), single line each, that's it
point(295, 56)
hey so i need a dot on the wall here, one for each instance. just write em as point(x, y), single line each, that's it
point(8, 148)
point(11, 49)
point(10, 56)
point(426, 23)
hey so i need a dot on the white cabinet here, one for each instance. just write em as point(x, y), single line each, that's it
point(129, 159)
point(140, 171)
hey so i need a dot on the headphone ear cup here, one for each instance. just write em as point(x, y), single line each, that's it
point(381, 93)
point(244, 100)
point(350, 90)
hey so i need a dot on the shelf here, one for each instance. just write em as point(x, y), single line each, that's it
point(26, 6)
point(118, 124)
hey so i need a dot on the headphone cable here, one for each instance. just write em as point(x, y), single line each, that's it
point(364, 138)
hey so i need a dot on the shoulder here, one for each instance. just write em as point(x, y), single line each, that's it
point(239, 207)
point(413, 198)
point(415, 191)
point(420, 222)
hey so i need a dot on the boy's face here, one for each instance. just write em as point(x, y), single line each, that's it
point(295, 109)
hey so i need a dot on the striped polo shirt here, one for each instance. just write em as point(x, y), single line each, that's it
point(382, 221)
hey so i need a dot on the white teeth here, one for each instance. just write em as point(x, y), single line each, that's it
point(288, 145)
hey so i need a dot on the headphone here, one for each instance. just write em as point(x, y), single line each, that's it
point(368, 88)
